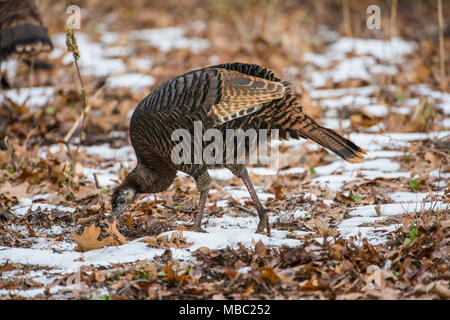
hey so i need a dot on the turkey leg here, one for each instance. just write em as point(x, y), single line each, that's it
point(241, 172)
point(262, 213)
point(200, 210)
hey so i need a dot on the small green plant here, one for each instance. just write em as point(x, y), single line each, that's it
point(399, 97)
point(140, 273)
point(311, 170)
point(161, 274)
point(104, 191)
point(414, 184)
point(357, 198)
point(11, 171)
point(70, 196)
point(50, 110)
point(105, 297)
point(413, 233)
point(405, 158)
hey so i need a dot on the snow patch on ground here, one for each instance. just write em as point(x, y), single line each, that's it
point(134, 81)
point(31, 97)
point(166, 39)
point(93, 60)
point(26, 205)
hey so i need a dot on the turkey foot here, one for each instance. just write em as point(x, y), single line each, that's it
point(262, 212)
point(197, 226)
point(263, 222)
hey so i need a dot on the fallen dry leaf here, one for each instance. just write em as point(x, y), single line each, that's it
point(88, 240)
point(260, 249)
point(118, 238)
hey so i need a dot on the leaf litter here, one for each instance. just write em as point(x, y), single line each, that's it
point(378, 230)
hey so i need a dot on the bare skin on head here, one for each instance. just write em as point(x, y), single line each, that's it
point(121, 199)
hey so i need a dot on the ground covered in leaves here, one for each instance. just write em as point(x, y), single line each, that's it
point(375, 230)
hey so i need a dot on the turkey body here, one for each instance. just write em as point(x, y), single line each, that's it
point(227, 96)
point(22, 33)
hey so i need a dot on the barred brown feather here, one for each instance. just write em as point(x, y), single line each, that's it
point(226, 96)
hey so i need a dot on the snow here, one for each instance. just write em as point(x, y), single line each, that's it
point(363, 66)
point(30, 293)
point(374, 235)
point(334, 182)
point(354, 68)
point(226, 231)
point(377, 110)
point(352, 227)
point(93, 60)
point(10, 68)
point(346, 101)
point(222, 232)
point(143, 64)
point(398, 208)
point(117, 51)
point(105, 177)
point(360, 91)
point(380, 49)
point(411, 196)
point(239, 193)
point(134, 81)
point(106, 152)
point(372, 142)
point(31, 97)
point(262, 171)
point(319, 60)
point(295, 170)
point(335, 123)
point(25, 205)
point(109, 37)
point(380, 164)
point(166, 39)
point(220, 174)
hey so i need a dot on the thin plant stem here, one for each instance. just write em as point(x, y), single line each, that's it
point(392, 35)
point(346, 16)
point(443, 81)
point(72, 46)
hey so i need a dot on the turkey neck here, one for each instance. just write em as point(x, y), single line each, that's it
point(145, 179)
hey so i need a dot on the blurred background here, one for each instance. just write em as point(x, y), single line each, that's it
point(162, 39)
point(386, 56)
point(156, 40)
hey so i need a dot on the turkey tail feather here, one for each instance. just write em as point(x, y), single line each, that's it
point(330, 139)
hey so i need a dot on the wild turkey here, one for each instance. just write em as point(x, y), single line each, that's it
point(226, 96)
point(22, 34)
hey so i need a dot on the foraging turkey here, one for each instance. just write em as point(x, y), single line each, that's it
point(226, 96)
point(22, 34)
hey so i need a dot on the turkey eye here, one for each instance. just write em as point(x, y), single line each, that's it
point(121, 200)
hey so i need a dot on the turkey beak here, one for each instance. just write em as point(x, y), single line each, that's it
point(120, 208)
point(117, 212)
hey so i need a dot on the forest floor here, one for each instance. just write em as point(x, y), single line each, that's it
point(374, 230)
